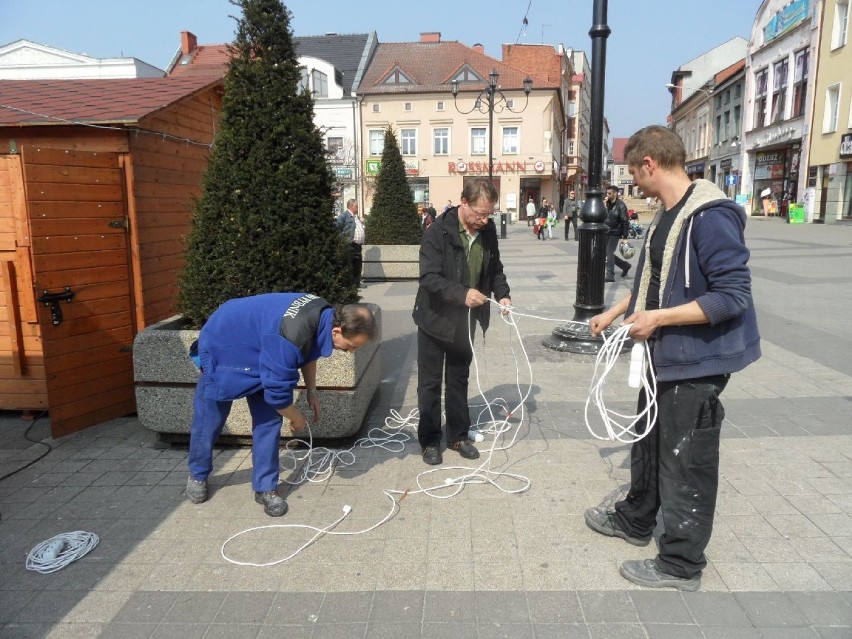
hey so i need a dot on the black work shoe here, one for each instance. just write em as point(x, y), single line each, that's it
point(432, 455)
point(647, 572)
point(273, 503)
point(464, 448)
point(609, 279)
point(625, 270)
point(603, 521)
point(196, 491)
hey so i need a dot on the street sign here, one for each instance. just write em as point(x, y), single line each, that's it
point(731, 180)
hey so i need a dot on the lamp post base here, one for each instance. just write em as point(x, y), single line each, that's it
point(576, 338)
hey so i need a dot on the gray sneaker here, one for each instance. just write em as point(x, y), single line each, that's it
point(196, 491)
point(603, 521)
point(647, 572)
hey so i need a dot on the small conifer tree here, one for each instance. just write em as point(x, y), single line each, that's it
point(264, 220)
point(393, 217)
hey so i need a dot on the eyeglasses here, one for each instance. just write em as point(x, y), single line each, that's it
point(481, 215)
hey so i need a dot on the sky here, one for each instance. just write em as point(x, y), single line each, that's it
point(649, 38)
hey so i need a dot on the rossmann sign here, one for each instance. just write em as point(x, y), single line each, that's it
point(497, 167)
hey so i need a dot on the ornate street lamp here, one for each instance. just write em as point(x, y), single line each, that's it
point(489, 100)
point(577, 338)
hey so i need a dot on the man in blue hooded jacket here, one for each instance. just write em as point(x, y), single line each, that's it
point(254, 347)
point(692, 301)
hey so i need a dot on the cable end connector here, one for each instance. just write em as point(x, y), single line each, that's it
point(475, 436)
point(347, 509)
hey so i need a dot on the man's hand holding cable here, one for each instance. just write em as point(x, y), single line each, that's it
point(643, 324)
point(298, 422)
point(474, 298)
point(505, 304)
point(314, 403)
point(600, 322)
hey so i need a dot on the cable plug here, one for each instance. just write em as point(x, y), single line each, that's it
point(637, 365)
point(53, 549)
point(347, 509)
point(475, 436)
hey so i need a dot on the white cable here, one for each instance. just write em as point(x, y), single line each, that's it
point(618, 426)
point(320, 462)
point(57, 552)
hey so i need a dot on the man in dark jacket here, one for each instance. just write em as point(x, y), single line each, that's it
point(692, 301)
point(619, 227)
point(460, 268)
point(254, 347)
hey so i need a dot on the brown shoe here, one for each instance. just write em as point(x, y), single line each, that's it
point(464, 448)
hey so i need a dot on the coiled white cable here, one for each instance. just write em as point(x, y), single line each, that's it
point(57, 552)
point(619, 426)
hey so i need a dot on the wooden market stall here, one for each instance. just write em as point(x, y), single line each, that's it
point(97, 185)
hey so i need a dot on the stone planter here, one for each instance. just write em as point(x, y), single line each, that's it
point(390, 262)
point(165, 383)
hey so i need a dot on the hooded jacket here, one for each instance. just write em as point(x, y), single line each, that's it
point(439, 308)
point(259, 343)
point(705, 260)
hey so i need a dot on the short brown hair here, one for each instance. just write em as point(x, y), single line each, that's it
point(658, 142)
point(479, 189)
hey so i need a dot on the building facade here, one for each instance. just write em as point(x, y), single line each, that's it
point(828, 192)
point(445, 139)
point(779, 88)
point(26, 60)
point(725, 167)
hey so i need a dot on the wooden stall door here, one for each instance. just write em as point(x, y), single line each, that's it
point(78, 216)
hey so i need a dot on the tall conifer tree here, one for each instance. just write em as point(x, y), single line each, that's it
point(393, 217)
point(263, 222)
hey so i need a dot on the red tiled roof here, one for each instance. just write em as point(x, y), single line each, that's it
point(618, 145)
point(38, 102)
point(207, 58)
point(724, 74)
point(431, 65)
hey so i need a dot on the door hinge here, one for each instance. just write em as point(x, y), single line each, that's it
point(119, 224)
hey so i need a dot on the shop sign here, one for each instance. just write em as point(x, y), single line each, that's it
point(695, 168)
point(412, 167)
point(539, 166)
point(372, 167)
point(628, 182)
point(793, 14)
point(725, 164)
point(778, 133)
point(769, 165)
point(846, 145)
point(344, 172)
point(482, 167)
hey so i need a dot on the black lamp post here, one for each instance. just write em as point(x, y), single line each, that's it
point(577, 338)
point(489, 100)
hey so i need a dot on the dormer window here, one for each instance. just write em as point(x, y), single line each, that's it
point(396, 76)
point(466, 74)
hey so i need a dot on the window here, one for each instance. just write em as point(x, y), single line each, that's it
point(320, 84)
point(408, 137)
point(718, 102)
point(477, 141)
point(335, 147)
point(727, 131)
point(738, 90)
point(408, 106)
point(832, 106)
point(441, 144)
point(396, 76)
point(718, 129)
point(303, 80)
point(760, 97)
point(377, 141)
point(572, 109)
point(510, 139)
point(466, 74)
point(571, 147)
point(440, 105)
point(728, 96)
point(737, 112)
point(375, 108)
point(779, 90)
point(800, 82)
point(620, 171)
point(841, 24)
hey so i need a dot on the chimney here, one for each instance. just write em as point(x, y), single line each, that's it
point(430, 36)
point(479, 48)
point(188, 42)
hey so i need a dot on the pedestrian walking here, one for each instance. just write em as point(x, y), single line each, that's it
point(570, 213)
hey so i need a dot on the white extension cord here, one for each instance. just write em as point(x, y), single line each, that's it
point(618, 426)
point(57, 552)
point(319, 463)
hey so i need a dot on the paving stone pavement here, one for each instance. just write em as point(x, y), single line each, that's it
point(484, 563)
